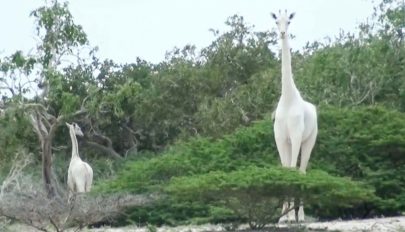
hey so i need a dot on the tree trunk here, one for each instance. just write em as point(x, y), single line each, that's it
point(47, 167)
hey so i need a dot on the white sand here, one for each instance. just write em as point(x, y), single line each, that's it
point(392, 224)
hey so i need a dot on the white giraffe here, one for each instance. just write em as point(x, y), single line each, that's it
point(80, 174)
point(295, 124)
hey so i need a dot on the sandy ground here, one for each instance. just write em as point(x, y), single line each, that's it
point(392, 224)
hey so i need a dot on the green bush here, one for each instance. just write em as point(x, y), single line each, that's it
point(248, 146)
point(365, 143)
point(256, 194)
point(368, 144)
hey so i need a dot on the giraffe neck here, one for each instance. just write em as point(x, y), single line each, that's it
point(75, 147)
point(288, 88)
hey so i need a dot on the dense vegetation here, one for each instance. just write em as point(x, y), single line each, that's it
point(366, 144)
point(196, 128)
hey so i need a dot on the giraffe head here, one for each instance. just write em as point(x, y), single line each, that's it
point(75, 128)
point(282, 21)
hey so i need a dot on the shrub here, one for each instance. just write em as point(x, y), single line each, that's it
point(248, 146)
point(365, 143)
point(256, 194)
point(368, 144)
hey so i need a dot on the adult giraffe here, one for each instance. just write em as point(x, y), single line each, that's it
point(295, 124)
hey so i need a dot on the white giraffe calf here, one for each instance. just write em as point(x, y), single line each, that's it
point(80, 174)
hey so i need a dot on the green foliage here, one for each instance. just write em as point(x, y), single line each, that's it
point(242, 106)
point(235, 56)
point(368, 144)
point(257, 194)
point(248, 146)
point(166, 108)
point(167, 211)
point(314, 187)
point(365, 69)
point(363, 143)
point(15, 128)
point(57, 30)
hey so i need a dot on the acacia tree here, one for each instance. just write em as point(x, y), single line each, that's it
point(36, 82)
point(60, 37)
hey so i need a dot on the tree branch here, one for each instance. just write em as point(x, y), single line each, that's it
point(20, 161)
point(61, 118)
point(39, 127)
point(106, 149)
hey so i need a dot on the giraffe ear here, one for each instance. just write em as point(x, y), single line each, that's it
point(67, 124)
point(292, 15)
point(273, 15)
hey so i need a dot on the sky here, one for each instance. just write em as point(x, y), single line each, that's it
point(126, 29)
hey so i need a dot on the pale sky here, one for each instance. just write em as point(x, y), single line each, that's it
point(126, 29)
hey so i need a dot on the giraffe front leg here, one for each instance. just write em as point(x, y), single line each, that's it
point(284, 213)
point(295, 150)
point(283, 146)
point(301, 214)
point(295, 129)
point(288, 212)
point(284, 150)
